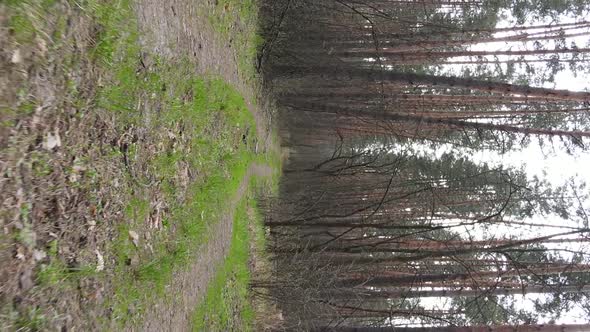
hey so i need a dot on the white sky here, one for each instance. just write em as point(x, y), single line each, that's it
point(554, 165)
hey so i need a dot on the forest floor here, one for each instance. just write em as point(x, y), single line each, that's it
point(132, 139)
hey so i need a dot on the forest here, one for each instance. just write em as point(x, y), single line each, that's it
point(437, 168)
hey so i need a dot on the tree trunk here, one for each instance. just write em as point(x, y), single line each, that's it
point(417, 80)
point(493, 328)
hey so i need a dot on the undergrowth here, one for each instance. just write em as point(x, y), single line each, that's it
point(182, 145)
point(214, 117)
point(227, 305)
point(230, 16)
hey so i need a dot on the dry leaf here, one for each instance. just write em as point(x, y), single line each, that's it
point(52, 141)
point(74, 177)
point(37, 116)
point(16, 57)
point(21, 253)
point(134, 238)
point(42, 45)
point(100, 261)
point(39, 255)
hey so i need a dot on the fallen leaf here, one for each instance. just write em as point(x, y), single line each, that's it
point(74, 177)
point(134, 260)
point(39, 255)
point(42, 45)
point(21, 253)
point(100, 261)
point(16, 57)
point(37, 116)
point(98, 294)
point(134, 238)
point(52, 141)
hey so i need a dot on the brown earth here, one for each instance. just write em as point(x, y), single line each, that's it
point(58, 203)
point(180, 28)
point(190, 285)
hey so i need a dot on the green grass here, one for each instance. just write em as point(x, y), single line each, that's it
point(56, 274)
point(34, 320)
point(22, 27)
point(226, 17)
point(213, 116)
point(226, 11)
point(26, 15)
point(227, 305)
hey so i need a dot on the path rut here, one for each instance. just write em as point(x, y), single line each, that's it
point(180, 29)
point(191, 283)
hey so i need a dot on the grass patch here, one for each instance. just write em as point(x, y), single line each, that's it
point(136, 286)
point(226, 306)
point(56, 274)
point(229, 305)
point(26, 13)
point(213, 118)
point(223, 19)
point(22, 28)
point(242, 15)
point(179, 144)
point(34, 320)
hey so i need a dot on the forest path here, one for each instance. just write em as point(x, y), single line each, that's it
point(181, 29)
point(190, 284)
